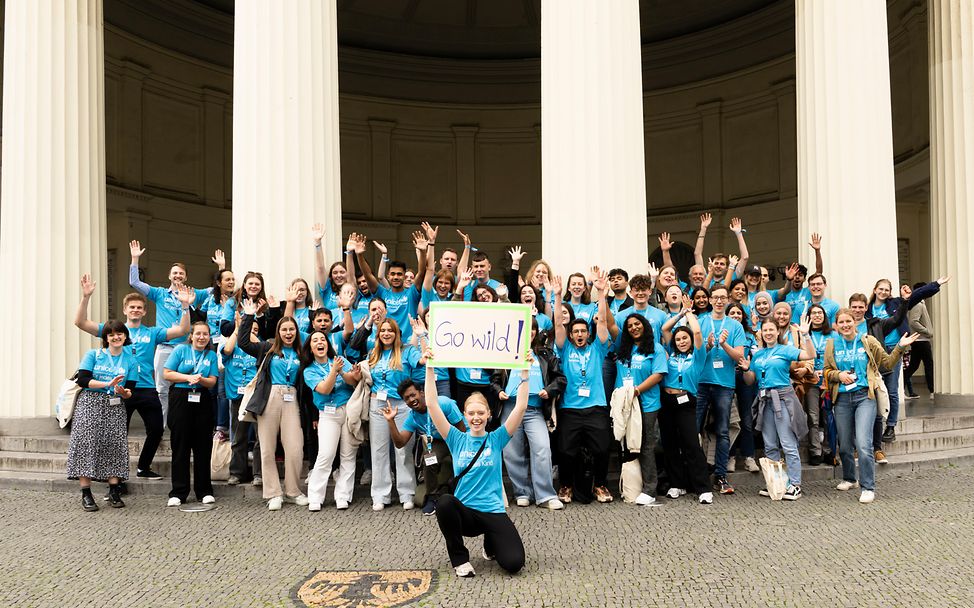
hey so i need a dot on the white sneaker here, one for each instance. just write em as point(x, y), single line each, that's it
point(846, 485)
point(341, 505)
point(378, 506)
point(483, 551)
point(408, 505)
point(208, 500)
point(465, 570)
point(644, 500)
point(174, 502)
point(752, 465)
point(675, 492)
point(314, 506)
point(523, 501)
point(554, 504)
point(275, 504)
point(867, 497)
point(707, 498)
point(731, 465)
point(301, 500)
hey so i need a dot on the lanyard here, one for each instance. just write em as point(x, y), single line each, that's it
point(583, 361)
point(819, 344)
point(713, 327)
point(846, 347)
point(289, 362)
point(682, 363)
point(198, 361)
point(114, 363)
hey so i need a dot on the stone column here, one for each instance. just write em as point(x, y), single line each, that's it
point(593, 182)
point(286, 172)
point(52, 216)
point(951, 36)
point(845, 143)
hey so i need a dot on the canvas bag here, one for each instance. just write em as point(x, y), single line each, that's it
point(220, 460)
point(243, 415)
point(67, 396)
point(631, 480)
point(775, 477)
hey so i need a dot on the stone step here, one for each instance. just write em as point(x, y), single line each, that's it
point(919, 443)
point(58, 444)
point(934, 423)
point(46, 462)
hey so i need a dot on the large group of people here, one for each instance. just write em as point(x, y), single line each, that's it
point(690, 376)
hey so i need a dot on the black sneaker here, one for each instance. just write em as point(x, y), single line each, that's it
point(115, 497)
point(889, 435)
point(814, 460)
point(793, 493)
point(723, 486)
point(429, 507)
point(88, 502)
point(147, 474)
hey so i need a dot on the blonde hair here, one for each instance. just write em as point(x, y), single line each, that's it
point(395, 359)
point(532, 267)
point(476, 397)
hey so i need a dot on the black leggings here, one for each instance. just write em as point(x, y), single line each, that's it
point(920, 352)
point(190, 430)
point(686, 465)
point(501, 540)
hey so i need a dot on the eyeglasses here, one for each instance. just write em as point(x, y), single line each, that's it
point(718, 298)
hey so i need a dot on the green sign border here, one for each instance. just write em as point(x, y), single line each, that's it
point(525, 336)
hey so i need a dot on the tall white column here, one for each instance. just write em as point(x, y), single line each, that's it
point(593, 183)
point(951, 29)
point(52, 195)
point(845, 143)
point(286, 173)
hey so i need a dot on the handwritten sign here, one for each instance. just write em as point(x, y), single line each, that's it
point(479, 334)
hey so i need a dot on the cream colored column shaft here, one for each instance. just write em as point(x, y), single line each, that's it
point(951, 36)
point(52, 214)
point(845, 143)
point(593, 183)
point(286, 173)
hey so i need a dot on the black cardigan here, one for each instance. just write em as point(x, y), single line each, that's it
point(551, 375)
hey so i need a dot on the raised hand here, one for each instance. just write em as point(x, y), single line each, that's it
point(360, 244)
point(219, 258)
point(465, 277)
point(417, 324)
point(382, 248)
point(710, 265)
point(316, 303)
point(516, 254)
point(186, 295)
point(664, 241)
point(908, 339)
point(806, 325)
point(273, 302)
point(344, 300)
point(816, 242)
point(943, 280)
point(736, 226)
point(732, 261)
point(389, 411)
point(465, 237)
point(600, 281)
point(419, 241)
point(87, 285)
point(317, 233)
point(557, 286)
point(431, 232)
point(705, 219)
point(249, 307)
point(745, 364)
point(136, 250)
point(653, 271)
point(687, 303)
point(791, 271)
point(291, 295)
point(350, 243)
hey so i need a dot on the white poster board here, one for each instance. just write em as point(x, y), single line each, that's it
point(479, 334)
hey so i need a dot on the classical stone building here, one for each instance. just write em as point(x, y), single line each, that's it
point(197, 124)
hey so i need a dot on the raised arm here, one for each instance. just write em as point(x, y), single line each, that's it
point(429, 266)
point(732, 263)
point(602, 325)
point(231, 341)
point(321, 274)
point(705, 220)
point(399, 438)
point(511, 279)
point(383, 264)
point(136, 251)
point(370, 279)
point(665, 244)
point(81, 316)
point(808, 348)
point(694, 326)
point(421, 245)
point(816, 244)
point(738, 229)
point(465, 256)
point(243, 332)
point(560, 332)
point(521, 403)
point(667, 329)
point(186, 296)
point(433, 401)
point(348, 325)
point(220, 259)
point(790, 273)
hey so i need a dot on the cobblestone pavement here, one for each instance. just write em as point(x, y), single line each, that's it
point(913, 547)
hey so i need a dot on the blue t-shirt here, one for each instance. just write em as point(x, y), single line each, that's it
point(284, 367)
point(104, 367)
point(301, 315)
point(879, 312)
point(639, 368)
point(585, 311)
point(143, 347)
point(420, 423)
point(655, 316)
point(327, 295)
point(429, 296)
point(387, 379)
point(185, 360)
point(771, 365)
point(468, 290)
point(831, 308)
point(400, 305)
point(799, 301)
point(215, 313)
point(169, 309)
point(818, 341)
point(720, 368)
point(315, 373)
point(583, 371)
point(238, 370)
point(683, 370)
point(544, 321)
point(481, 489)
point(615, 305)
point(535, 384)
point(850, 356)
point(473, 375)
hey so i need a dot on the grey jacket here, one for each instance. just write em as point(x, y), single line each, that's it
point(919, 320)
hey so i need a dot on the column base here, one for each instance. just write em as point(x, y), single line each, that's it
point(35, 426)
point(953, 400)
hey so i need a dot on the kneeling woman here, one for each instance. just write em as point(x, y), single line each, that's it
point(477, 504)
point(191, 367)
point(779, 415)
point(99, 448)
point(853, 367)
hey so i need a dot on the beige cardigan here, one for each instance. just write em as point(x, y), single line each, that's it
point(878, 359)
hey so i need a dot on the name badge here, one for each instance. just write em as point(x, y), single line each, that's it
point(475, 374)
point(584, 392)
point(193, 397)
point(288, 397)
point(853, 376)
point(382, 395)
point(430, 459)
point(241, 390)
point(114, 401)
point(718, 364)
point(683, 399)
point(764, 392)
point(627, 382)
point(329, 409)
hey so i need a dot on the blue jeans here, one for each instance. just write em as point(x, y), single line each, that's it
point(778, 437)
point(892, 381)
point(854, 414)
point(717, 398)
point(530, 439)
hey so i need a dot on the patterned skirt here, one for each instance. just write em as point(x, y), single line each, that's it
point(99, 439)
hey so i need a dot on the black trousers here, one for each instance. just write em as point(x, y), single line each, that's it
point(190, 431)
point(439, 475)
point(589, 428)
point(686, 465)
point(501, 540)
point(146, 402)
point(921, 352)
point(239, 440)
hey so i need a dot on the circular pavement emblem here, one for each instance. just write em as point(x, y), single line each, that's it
point(196, 508)
point(363, 588)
